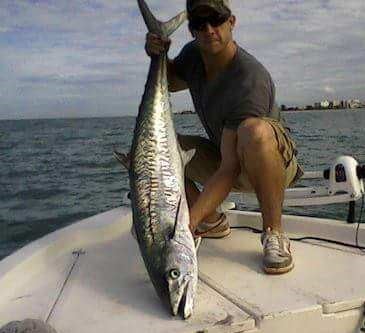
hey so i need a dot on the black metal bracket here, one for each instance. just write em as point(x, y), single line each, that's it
point(351, 214)
point(360, 171)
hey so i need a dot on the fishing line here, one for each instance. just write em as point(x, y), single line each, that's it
point(361, 175)
point(77, 255)
point(299, 239)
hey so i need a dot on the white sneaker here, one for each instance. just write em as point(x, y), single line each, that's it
point(218, 229)
point(277, 255)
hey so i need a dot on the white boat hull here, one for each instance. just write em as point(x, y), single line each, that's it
point(89, 277)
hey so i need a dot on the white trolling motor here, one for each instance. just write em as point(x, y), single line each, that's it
point(346, 177)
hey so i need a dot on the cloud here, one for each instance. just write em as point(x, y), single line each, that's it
point(328, 89)
point(88, 55)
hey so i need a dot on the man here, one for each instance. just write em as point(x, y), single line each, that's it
point(248, 148)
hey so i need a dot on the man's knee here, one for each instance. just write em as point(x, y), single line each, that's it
point(188, 142)
point(253, 133)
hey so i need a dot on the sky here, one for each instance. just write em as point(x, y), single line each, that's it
point(85, 58)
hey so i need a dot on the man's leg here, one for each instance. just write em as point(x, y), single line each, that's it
point(258, 150)
point(192, 194)
point(204, 163)
point(202, 166)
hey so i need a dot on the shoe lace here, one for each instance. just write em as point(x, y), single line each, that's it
point(272, 244)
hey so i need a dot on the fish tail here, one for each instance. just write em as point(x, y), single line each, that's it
point(158, 27)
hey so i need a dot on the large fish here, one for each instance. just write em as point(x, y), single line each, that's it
point(156, 171)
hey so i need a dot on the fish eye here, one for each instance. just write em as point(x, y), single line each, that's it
point(174, 274)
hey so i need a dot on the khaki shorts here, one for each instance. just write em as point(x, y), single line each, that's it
point(207, 158)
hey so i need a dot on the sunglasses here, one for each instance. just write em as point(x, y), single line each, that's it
point(199, 23)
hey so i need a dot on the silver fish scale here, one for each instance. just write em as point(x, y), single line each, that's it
point(160, 209)
point(158, 173)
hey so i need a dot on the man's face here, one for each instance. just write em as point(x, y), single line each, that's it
point(212, 37)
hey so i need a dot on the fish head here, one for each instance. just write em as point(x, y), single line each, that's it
point(181, 276)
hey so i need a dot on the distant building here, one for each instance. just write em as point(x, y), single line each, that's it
point(185, 112)
point(354, 103)
point(336, 104)
point(325, 104)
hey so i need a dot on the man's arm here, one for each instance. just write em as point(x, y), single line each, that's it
point(155, 45)
point(175, 83)
point(220, 184)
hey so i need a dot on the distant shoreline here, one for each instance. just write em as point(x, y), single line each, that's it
point(285, 111)
point(175, 113)
point(324, 110)
point(185, 112)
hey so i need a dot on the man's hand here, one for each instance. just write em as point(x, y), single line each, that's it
point(155, 45)
point(193, 226)
point(221, 182)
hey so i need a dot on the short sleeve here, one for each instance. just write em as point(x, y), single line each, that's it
point(255, 100)
point(184, 62)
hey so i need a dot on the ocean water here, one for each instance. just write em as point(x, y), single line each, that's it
point(56, 172)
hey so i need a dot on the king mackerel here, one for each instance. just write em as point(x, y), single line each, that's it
point(156, 172)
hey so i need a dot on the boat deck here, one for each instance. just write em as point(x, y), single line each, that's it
point(89, 277)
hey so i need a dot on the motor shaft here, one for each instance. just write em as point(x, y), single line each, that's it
point(360, 171)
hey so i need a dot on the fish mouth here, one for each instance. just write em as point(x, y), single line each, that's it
point(181, 300)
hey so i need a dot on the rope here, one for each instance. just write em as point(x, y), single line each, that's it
point(77, 255)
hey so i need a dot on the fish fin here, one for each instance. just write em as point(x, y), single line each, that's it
point(197, 242)
point(153, 25)
point(156, 26)
point(121, 158)
point(173, 24)
point(172, 236)
point(187, 155)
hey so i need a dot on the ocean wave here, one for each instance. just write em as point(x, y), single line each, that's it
point(39, 194)
point(56, 172)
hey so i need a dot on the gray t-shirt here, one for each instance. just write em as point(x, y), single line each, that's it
point(244, 89)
